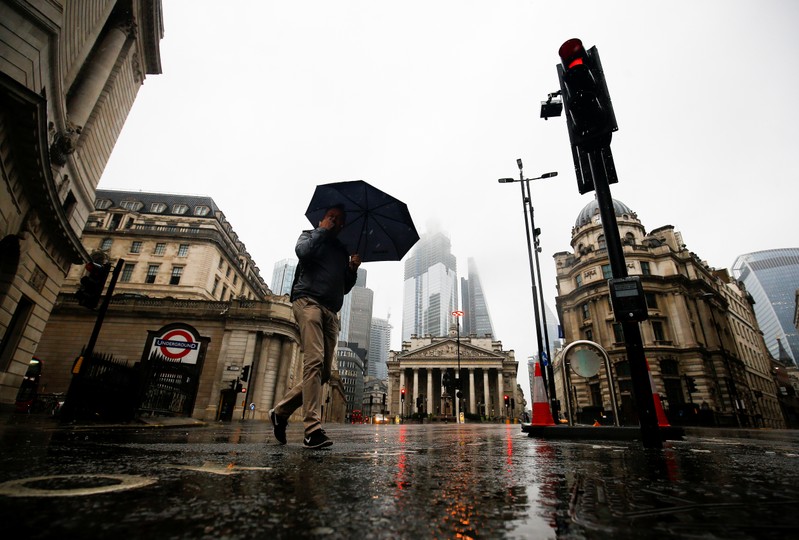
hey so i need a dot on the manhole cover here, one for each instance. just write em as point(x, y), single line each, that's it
point(68, 485)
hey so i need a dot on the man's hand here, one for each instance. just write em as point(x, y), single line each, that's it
point(355, 262)
point(328, 222)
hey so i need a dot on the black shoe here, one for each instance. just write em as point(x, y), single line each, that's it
point(279, 425)
point(317, 439)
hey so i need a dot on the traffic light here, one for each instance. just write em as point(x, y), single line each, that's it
point(589, 112)
point(402, 394)
point(507, 401)
point(236, 386)
point(512, 403)
point(384, 400)
point(91, 284)
point(691, 384)
point(245, 373)
point(445, 380)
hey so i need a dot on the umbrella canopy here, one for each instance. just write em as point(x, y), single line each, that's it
point(379, 227)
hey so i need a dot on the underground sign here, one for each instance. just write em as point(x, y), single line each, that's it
point(177, 344)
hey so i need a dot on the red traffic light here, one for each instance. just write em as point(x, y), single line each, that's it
point(572, 53)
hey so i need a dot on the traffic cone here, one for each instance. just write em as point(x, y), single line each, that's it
point(542, 416)
point(662, 420)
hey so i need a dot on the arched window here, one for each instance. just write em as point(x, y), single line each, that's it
point(601, 241)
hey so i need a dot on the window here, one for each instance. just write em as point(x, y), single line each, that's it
point(106, 244)
point(179, 208)
point(589, 334)
point(160, 248)
point(622, 369)
point(157, 208)
point(127, 272)
point(227, 272)
point(579, 280)
point(152, 270)
point(102, 204)
point(235, 278)
point(645, 269)
point(133, 206)
point(586, 312)
point(216, 284)
point(629, 239)
point(224, 292)
point(669, 367)
point(606, 272)
point(183, 250)
point(601, 241)
point(657, 329)
point(177, 271)
point(135, 247)
point(618, 333)
point(651, 300)
point(221, 262)
point(201, 210)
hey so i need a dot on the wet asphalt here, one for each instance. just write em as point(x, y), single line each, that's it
point(233, 480)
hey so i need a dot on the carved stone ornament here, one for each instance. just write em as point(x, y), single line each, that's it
point(64, 143)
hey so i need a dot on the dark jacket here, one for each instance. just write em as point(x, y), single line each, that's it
point(323, 272)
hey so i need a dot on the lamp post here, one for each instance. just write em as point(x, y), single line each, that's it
point(529, 224)
point(458, 314)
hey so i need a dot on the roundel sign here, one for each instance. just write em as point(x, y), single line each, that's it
point(177, 344)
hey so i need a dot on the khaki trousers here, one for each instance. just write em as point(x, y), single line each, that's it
point(319, 328)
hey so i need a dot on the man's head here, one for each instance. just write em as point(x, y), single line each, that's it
point(334, 219)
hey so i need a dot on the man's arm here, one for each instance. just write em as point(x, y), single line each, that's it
point(309, 242)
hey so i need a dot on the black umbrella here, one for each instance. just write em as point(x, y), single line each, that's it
point(379, 227)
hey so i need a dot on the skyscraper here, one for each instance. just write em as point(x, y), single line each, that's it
point(476, 318)
point(379, 344)
point(356, 317)
point(431, 287)
point(283, 276)
point(772, 278)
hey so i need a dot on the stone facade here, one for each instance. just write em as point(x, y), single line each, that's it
point(695, 318)
point(487, 373)
point(259, 334)
point(69, 74)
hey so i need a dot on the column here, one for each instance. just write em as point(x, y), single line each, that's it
point(415, 389)
point(471, 391)
point(500, 395)
point(486, 393)
point(96, 73)
point(429, 403)
point(399, 391)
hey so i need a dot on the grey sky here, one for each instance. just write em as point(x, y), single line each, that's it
point(432, 101)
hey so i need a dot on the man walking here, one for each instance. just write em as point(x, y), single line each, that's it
point(325, 273)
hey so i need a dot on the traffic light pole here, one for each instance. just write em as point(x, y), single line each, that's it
point(642, 391)
point(84, 361)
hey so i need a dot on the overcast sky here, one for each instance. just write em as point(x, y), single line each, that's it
point(432, 101)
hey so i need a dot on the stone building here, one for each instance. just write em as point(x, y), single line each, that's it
point(180, 246)
point(487, 373)
point(69, 74)
point(183, 265)
point(697, 323)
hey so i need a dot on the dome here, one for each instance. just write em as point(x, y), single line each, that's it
point(591, 209)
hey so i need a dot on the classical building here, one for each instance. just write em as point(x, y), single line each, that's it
point(772, 278)
point(487, 374)
point(69, 74)
point(184, 266)
point(691, 338)
point(178, 246)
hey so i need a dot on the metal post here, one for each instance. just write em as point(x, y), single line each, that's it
point(650, 433)
point(539, 343)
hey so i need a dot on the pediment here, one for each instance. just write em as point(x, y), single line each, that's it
point(449, 349)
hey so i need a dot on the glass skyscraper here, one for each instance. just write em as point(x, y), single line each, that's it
point(283, 276)
point(379, 344)
point(772, 278)
point(431, 287)
point(476, 318)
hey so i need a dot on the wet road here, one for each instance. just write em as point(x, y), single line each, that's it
point(233, 480)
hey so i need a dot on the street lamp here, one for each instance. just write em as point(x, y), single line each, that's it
point(456, 398)
point(529, 223)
